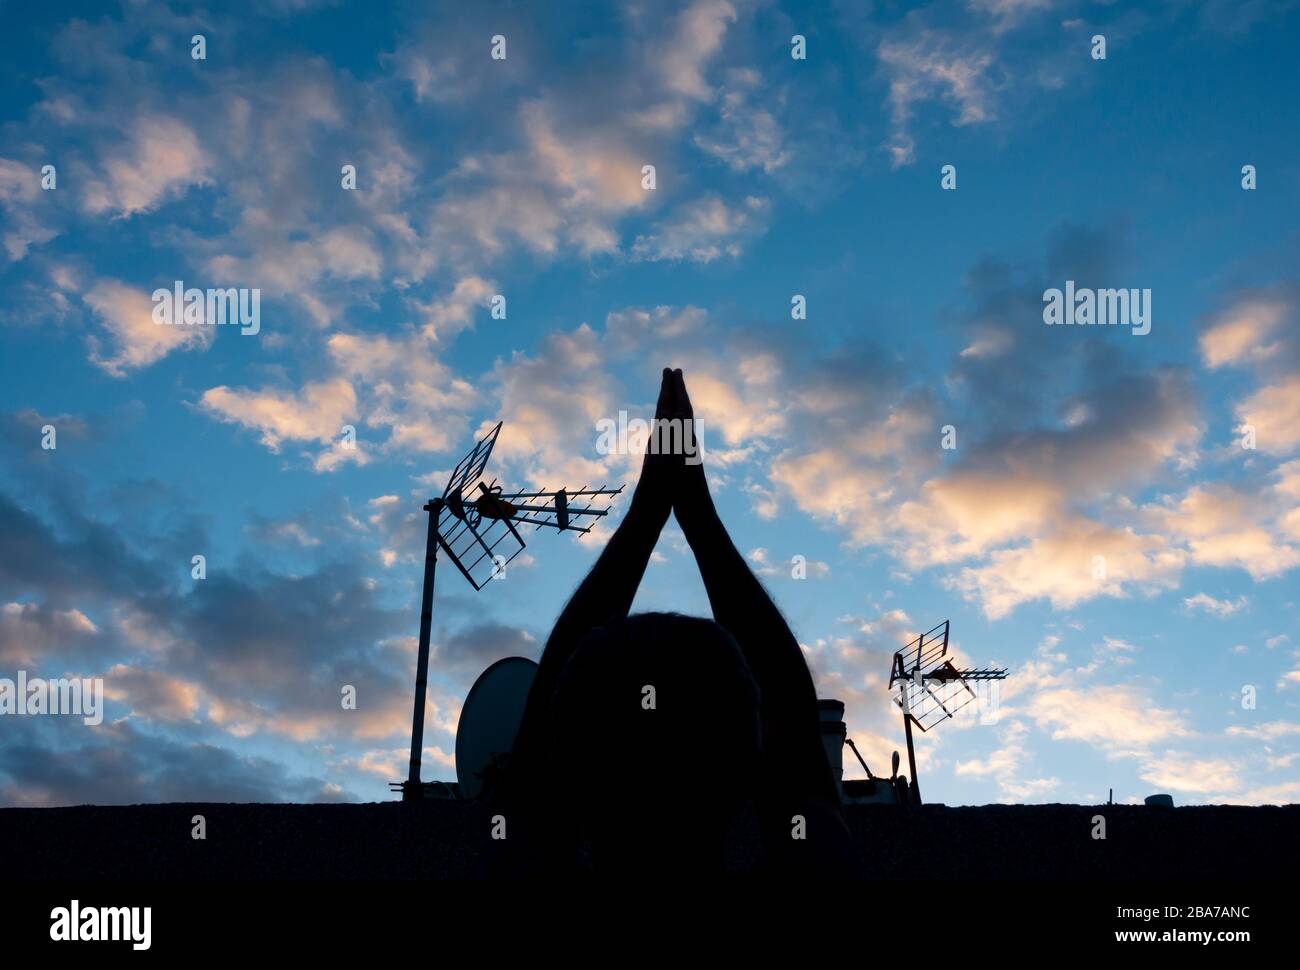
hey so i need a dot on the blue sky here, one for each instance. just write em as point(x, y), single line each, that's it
point(774, 177)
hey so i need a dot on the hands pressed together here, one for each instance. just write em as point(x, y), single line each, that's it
point(672, 474)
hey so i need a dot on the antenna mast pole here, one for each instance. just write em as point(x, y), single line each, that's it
point(911, 752)
point(412, 789)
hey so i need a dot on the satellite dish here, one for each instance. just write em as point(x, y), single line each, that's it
point(489, 720)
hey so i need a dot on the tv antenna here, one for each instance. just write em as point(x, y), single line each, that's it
point(930, 688)
point(475, 522)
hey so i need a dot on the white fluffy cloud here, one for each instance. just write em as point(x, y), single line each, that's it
point(1244, 332)
point(1221, 525)
point(160, 158)
point(135, 340)
point(315, 413)
point(702, 231)
point(1259, 330)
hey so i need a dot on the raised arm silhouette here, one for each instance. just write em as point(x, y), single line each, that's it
point(646, 737)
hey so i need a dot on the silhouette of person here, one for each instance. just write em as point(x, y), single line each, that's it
point(646, 738)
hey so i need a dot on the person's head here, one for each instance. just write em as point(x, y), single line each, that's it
point(656, 737)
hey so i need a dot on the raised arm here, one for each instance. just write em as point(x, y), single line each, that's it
point(796, 766)
point(605, 595)
point(609, 589)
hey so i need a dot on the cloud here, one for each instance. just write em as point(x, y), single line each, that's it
point(747, 136)
point(595, 173)
point(1258, 328)
point(159, 159)
point(1061, 567)
point(117, 764)
point(929, 66)
point(1123, 720)
point(404, 387)
point(1221, 525)
point(1021, 503)
point(20, 189)
point(698, 32)
point(1005, 766)
point(1008, 12)
point(702, 231)
point(848, 476)
point(976, 62)
point(394, 381)
point(1117, 717)
point(84, 561)
point(1220, 608)
point(551, 403)
point(18, 182)
point(317, 413)
point(474, 649)
point(449, 316)
point(1031, 503)
point(1180, 771)
point(744, 408)
point(1114, 650)
point(1036, 506)
point(445, 60)
point(1286, 793)
point(551, 400)
point(246, 651)
point(274, 652)
point(137, 340)
point(852, 665)
point(633, 328)
point(1241, 334)
point(1268, 731)
point(575, 169)
point(1274, 412)
point(763, 566)
point(304, 268)
point(152, 693)
point(392, 763)
point(33, 633)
